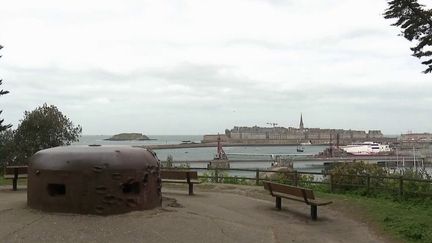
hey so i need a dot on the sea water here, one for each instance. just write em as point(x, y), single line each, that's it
point(253, 157)
point(155, 139)
point(192, 156)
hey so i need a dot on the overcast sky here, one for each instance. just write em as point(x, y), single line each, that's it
point(200, 66)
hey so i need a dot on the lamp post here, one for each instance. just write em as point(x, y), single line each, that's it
point(414, 155)
point(397, 158)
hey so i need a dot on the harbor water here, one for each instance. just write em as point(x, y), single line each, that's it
point(250, 157)
point(241, 157)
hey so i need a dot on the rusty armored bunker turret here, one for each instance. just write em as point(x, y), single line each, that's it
point(94, 180)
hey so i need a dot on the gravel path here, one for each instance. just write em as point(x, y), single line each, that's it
point(213, 214)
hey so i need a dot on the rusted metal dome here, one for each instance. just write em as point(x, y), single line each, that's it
point(94, 179)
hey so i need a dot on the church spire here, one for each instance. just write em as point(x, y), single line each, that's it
point(301, 122)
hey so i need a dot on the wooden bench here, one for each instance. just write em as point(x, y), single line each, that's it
point(294, 193)
point(180, 176)
point(15, 172)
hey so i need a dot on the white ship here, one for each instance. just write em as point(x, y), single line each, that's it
point(366, 148)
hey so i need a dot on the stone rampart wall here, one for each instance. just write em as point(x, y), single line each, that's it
point(290, 135)
point(214, 138)
point(296, 142)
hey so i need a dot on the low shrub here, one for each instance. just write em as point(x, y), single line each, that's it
point(351, 176)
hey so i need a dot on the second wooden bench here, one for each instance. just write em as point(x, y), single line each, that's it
point(180, 176)
point(15, 172)
point(294, 193)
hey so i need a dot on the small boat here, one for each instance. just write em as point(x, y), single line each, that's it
point(300, 149)
point(306, 143)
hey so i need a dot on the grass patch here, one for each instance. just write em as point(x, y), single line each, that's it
point(4, 181)
point(398, 220)
point(405, 220)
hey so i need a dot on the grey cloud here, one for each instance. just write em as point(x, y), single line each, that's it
point(203, 83)
point(277, 2)
point(39, 74)
point(259, 43)
point(203, 89)
point(310, 43)
point(361, 33)
point(192, 74)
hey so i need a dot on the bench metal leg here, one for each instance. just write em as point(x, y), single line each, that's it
point(190, 188)
point(14, 184)
point(314, 212)
point(279, 203)
point(15, 180)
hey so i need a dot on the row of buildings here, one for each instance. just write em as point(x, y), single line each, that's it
point(291, 135)
point(416, 137)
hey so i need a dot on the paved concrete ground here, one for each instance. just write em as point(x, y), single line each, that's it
point(214, 214)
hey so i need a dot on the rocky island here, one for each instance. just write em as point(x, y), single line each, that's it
point(128, 136)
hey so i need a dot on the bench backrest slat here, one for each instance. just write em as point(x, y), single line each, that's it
point(178, 175)
point(10, 170)
point(287, 189)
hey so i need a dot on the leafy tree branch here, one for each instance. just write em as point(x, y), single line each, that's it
point(3, 92)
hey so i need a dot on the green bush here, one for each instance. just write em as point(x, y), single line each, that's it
point(207, 177)
point(210, 176)
point(311, 182)
point(222, 177)
point(170, 164)
point(285, 177)
point(236, 180)
point(413, 186)
point(169, 161)
point(354, 175)
point(306, 180)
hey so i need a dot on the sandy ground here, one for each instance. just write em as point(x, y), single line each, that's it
point(216, 213)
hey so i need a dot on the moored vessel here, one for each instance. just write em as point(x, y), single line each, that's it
point(221, 159)
point(366, 148)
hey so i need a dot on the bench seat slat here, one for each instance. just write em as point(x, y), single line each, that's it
point(10, 170)
point(296, 194)
point(180, 181)
point(319, 203)
point(20, 176)
point(292, 190)
point(288, 197)
point(293, 193)
point(310, 202)
point(179, 175)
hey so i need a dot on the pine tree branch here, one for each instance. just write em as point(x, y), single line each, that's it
point(416, 24)
point(420, 13)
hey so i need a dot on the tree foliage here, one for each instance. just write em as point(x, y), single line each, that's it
point(3, 92)
point(6, 146)
point(416, 24)
point(42, 128)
